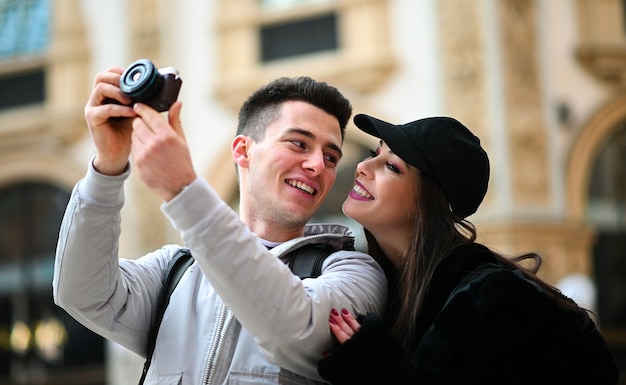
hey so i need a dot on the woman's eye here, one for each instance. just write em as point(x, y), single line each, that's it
point(372, 154)
point(393, 168)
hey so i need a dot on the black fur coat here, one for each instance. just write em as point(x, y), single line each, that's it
point(481, 324)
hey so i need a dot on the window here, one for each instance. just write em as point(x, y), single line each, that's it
point(23, 88)
point(331, 40)
point(24, 27)
point(300, 37)
point(607, 211)
point(24, 32)
point(37, 338)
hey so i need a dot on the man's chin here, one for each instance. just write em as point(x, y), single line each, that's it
point(299, 217)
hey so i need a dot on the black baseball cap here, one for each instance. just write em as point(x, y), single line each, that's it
point(443, 148)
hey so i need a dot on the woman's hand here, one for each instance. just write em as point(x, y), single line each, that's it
point(343, 325)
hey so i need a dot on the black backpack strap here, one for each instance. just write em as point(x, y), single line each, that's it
point(174, 272)
point(306, 261)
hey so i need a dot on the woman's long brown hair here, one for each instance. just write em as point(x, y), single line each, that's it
point(436, 231)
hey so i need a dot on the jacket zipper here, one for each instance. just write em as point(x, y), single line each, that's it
point(225, 321)
point(223, 325)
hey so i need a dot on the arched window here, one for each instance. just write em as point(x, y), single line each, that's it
point(607, 212)
point(39, 342)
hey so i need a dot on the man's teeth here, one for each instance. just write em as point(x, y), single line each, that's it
point(302, 186)
point(359, 190)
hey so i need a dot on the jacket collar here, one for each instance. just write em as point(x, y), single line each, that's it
point(334, 235)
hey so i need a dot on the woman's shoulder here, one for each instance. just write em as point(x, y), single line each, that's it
point(468, 257)
point(459, 262)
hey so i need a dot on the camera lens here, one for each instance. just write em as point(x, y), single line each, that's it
point(141, 80)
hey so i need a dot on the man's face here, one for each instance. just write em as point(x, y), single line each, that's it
point(292, 169)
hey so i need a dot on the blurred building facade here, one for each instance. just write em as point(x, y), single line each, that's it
point(541, 82)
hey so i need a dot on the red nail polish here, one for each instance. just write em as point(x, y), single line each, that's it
point(334, 312)
point(345, 311)
point(332, 321)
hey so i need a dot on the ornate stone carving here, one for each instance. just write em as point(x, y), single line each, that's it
point(463, 65)
point(602, 45)
point(463, 61)
point(523, 102)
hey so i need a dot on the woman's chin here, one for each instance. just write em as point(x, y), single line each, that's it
point(352, 212)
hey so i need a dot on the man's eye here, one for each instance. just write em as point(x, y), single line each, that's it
point(332, 159)
point(298, 143)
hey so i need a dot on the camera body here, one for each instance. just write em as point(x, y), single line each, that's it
point(144, 83)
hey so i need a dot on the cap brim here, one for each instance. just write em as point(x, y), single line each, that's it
point(396, 138)
point(370, 125)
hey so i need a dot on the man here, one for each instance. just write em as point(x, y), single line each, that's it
point(238, 314)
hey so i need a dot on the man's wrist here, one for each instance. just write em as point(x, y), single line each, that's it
point(103, 190)
point(109, 168)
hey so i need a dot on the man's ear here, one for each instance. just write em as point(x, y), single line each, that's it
point(240, 147)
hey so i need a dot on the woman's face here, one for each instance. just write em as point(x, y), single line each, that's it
point(383, 199)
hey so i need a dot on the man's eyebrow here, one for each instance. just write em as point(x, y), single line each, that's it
point(309, 134)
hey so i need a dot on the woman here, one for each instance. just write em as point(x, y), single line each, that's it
point(458, 312)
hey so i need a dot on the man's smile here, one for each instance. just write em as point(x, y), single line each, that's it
point(301, 185)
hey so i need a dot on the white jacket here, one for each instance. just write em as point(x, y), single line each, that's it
point(238, 314)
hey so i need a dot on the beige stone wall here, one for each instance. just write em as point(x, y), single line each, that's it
point(489, 56)
point(563, 240)
point(37, 140)
point(523, 103)
point(564, 247)
point(48, 132)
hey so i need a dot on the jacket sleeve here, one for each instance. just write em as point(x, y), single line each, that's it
point(287, 316)
point(112, 297)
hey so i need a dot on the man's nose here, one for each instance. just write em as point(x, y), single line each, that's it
point(315, 162)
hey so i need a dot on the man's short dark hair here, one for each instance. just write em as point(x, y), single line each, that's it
point(263, 106)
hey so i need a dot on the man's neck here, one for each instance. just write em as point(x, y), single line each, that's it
point(268, 229)
point(273, 232)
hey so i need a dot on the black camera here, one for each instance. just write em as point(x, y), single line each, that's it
point(144, 83)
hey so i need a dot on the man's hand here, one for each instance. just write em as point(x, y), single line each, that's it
point(160, 151)
point(106, 114)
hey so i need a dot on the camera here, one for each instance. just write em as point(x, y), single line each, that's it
point(144, 83)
